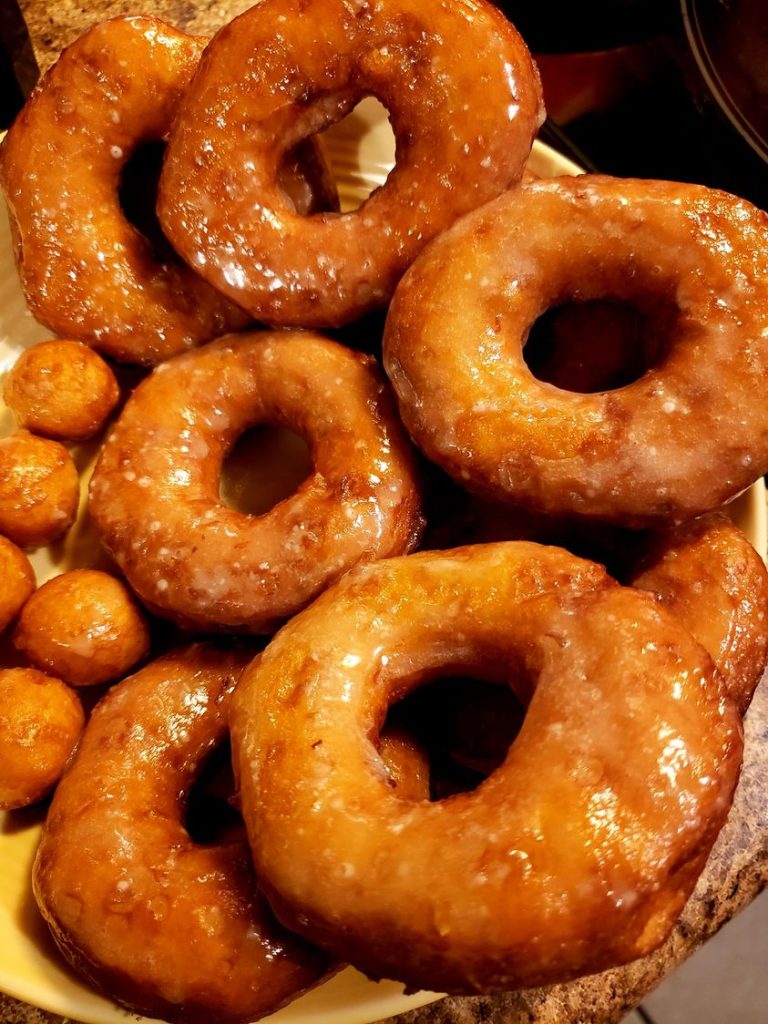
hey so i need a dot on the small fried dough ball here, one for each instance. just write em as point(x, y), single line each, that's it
point(39, 489)
point(83, 626)
point(40, 723)
point(61, 389)
point(17, 581)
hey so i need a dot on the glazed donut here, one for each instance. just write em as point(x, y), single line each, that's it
point(685, 437)
point(39, 489)
point(465, 102)
point(545, 874)
point(17, 579)
point(40, 723)
point(61, 389)
point(168, 928)
point(155, 490)
point(708, 575)
point(84, 627)
point(87, 272)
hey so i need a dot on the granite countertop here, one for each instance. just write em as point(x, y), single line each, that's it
point(738, 867)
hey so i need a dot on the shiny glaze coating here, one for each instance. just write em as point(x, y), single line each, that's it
point(84, 627)
point(709, 576)
point(61, 389)
point(39, 489)
point(465, 102)
point(166, 927)
point(40, 723)
point(88, 273)
point(540, 874)
point(17, 581)
point(685, 437)
point(155, 491)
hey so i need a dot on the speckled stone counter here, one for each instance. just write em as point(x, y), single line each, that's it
point(738, 867)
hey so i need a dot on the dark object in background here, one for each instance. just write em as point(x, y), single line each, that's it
point(18, 67)
point(658, 88)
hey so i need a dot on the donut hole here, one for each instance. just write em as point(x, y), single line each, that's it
point(266, 464)
point(137, 193)
point(360, 150)
point(598, 345)
point(465, 725)
point(211, 816)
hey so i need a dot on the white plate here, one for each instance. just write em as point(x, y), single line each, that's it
point(362, 151)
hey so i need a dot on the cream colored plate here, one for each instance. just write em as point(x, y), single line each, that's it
point(30, 969)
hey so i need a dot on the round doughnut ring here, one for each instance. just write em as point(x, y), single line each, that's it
point(87, 272)
point(686, 436)
point(545, 874)
point(169, 928)
point(708, 575)
point(155, 491)
point(465, 102)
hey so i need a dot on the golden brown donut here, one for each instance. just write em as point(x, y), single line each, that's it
point(39, 489)
point(166, 927)
point(84, 627)
point(465, 102)
point(61, 389)
point(544, 873)
point(40, 723)
point(155, 492)
point(86, 271)
point(708, 575)
point(17, 581)
point(685, 437)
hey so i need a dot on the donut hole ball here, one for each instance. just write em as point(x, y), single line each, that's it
point(463, 726)
point(84, 626)
point(597, 345)
point(39, 489)
point(266, 464)
point(40, 723)
point(17, 581)
point(61, 389)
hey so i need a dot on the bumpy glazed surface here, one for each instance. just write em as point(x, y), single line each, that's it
point(87, 273)
point(155, 491)
point(167, 927)
point(39, 489)
point(464, 99)
point(84, 627)
point(686, 436)
point(543, 874)
point(17, 581)
point(61, 389)
point(40, 723)
point(708, 575)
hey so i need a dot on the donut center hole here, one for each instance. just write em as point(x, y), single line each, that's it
point(211, 816)
point(599, 345)
point(265, 465)
point(462, 727)
point(360, 150)
point(137, 193)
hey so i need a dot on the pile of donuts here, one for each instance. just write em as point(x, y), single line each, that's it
point(545, 554)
